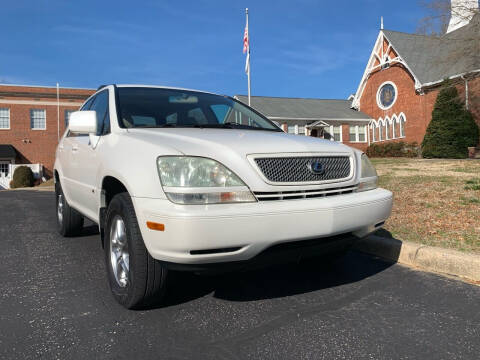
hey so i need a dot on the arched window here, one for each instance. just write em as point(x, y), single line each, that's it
point(388, 134)
point(394, 127)
point(374, 129)
point(381, 131)
point(402, 121)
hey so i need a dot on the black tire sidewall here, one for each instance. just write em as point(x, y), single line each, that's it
point(117, 207)
point(59, 191)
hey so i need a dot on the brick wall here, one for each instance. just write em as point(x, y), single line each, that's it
point(416, 107)
point(36, 146)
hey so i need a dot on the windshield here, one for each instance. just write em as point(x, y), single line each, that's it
point(154, 107)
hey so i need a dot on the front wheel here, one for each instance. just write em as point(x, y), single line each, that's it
point(136, 279)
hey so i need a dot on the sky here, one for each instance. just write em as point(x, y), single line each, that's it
point(300, 48)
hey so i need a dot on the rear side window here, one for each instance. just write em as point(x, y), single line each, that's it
point(103, 117)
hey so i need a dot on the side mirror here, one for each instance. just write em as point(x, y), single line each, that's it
point(83, 122)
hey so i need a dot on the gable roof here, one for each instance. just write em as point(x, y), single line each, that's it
point(432, 58)
point(304, 109)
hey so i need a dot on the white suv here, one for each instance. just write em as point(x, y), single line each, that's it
point(187, 180)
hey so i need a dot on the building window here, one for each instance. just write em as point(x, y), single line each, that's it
point(358, 133)
point(374, 130)
point(394, 130)
point(388, 134)
point(386, 95)
point(67, 116)
point(381, 129)
point(362, 133)
point(402, 125)
point(291, 129)
point(4, 118)
point(38, 119)
point(352, 133)
point(301, 130)
point(336, 133)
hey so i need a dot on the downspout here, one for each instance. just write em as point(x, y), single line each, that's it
point(466, 90)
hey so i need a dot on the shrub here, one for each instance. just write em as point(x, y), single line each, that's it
point(452, 129)
point(22, 177)
point(393, 149)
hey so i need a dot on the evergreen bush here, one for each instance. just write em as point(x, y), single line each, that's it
point(452, 129)
point(22, 177)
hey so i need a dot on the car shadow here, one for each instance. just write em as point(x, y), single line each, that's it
point(275, 281)
point(89, 230)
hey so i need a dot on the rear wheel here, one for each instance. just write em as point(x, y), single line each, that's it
point(136, 279)
point(69, 220)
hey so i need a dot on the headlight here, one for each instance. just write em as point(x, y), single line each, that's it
point(368, 175)
point(197, 180)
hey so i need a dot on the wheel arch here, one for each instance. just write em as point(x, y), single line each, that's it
point(110, 186)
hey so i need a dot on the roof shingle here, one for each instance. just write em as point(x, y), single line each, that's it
point(299, 108)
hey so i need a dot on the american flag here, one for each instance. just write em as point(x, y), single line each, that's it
point(246, 44)
point(246, 48)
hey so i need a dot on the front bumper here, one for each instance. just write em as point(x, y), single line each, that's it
point(198, 234)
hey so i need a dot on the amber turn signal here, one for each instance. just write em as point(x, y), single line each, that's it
point(155, 226)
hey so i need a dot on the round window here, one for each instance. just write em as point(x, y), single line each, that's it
point(386, 95)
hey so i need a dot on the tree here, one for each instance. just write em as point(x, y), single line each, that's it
point(438, 14)
point(452, 129)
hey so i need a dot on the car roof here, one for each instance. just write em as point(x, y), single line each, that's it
point(164, 87)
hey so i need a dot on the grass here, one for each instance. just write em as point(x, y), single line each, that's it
point(436, 202)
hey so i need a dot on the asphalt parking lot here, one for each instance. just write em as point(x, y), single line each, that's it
point(55, 303)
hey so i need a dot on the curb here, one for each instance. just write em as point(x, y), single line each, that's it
point(430, 258)
point(35, 188)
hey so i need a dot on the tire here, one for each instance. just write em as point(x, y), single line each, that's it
point(136, 279)
point(69, 220)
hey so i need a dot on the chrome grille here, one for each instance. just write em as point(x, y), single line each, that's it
point(304, 194)
point(297, 169)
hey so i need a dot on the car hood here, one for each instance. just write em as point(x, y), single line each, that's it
point(231, 147)
point(211, 142)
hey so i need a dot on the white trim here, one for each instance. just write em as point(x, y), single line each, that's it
point(30, 102)
point(450, 78)
point(379, 104)
point(369, 68)
point(9, 120)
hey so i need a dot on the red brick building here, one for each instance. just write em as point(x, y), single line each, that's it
point(405, 73)
point(31, 121)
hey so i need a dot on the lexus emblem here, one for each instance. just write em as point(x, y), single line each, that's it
point(316, 167)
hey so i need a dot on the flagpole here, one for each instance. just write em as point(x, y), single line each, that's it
point(58, 112)
point(248, 55)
